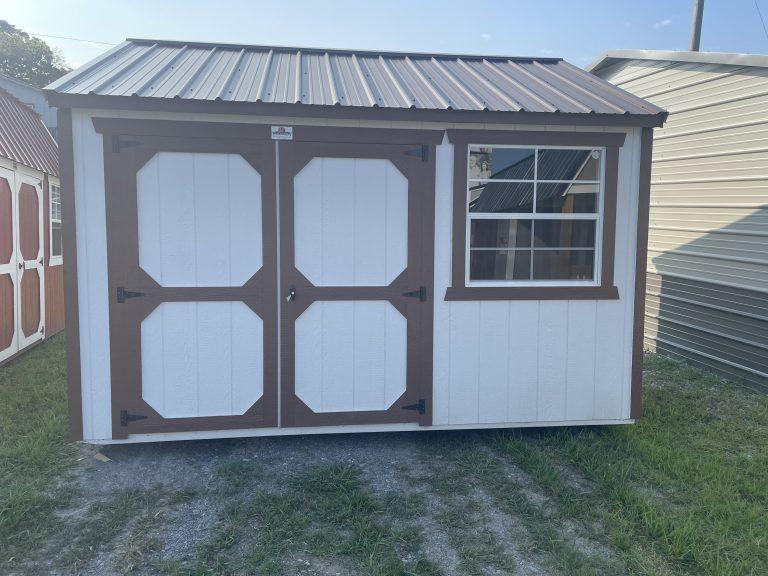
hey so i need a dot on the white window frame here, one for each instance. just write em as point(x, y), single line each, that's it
point(597, 218)
point(54, 260)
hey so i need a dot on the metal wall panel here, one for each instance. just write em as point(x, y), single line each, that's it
point(707, 295)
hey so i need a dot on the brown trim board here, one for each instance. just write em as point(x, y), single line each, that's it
point(461, 139)
point(96, 101)
point(641, 265)
point(69, 250)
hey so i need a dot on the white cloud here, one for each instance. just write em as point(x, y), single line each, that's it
point(485, 36)
point(662, 24)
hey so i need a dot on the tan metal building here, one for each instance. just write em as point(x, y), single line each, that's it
point(707, 291)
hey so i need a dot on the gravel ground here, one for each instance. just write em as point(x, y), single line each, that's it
point(182, 495)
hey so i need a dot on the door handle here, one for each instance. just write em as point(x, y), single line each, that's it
point(291, 294)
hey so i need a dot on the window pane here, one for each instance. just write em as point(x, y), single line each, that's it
point(55, 239)
point(563, 264)
point(568, 164)
point(501, 197)
point(501, 163)
point(500, 234)
point(567, 198)
point(564, 234)
point(500, 265)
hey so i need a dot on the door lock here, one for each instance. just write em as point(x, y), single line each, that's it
point(291, 294)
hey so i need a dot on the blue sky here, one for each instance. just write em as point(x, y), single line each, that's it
point(577, 30)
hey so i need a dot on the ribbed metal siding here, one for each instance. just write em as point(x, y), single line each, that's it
point(230, 73)
point(707, 298)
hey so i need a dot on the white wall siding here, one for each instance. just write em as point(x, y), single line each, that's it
point(531, 361)
point(92, 282)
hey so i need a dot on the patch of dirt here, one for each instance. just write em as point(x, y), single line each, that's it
point(186, 476)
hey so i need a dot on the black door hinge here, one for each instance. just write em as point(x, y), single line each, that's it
point(420, 152)
point(123, 294)
point(118, 144)
point(421, 294)
point(126, 417)
point(420, 406)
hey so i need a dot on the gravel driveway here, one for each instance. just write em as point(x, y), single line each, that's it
point(403, 503)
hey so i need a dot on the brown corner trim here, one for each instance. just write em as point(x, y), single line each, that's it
point(96, 101)
point(71, 315)
point(532, 293)
point(643, 204)
point(461, 139)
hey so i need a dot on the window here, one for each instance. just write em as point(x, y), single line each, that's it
point(533, 214)
point(54, 201)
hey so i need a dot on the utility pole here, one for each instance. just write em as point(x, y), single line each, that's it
point(698, 15)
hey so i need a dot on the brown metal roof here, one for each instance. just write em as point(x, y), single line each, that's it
point(24, 138)
point(322, 77)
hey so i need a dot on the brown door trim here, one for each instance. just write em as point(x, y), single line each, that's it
point(420, 171)
point(122, 159)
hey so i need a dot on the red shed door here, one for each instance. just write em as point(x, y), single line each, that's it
point(9, 343)
point(30, 259)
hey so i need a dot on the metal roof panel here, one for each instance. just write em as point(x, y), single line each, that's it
point(326, 77)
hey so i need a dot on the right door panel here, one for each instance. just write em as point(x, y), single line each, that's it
point(357, 283)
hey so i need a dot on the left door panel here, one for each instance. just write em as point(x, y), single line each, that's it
point(192, 279)
point(9, 342)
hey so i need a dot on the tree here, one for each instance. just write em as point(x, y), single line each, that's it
point(27, 58)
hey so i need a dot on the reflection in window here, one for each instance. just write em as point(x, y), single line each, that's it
point(533, 213)
point(54, 200)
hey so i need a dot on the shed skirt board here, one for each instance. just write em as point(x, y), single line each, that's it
point(22, 283)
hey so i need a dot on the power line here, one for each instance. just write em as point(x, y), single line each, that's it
point(765, 30)
point(73, 39)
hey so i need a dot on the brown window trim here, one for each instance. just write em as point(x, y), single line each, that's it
point(461, 139)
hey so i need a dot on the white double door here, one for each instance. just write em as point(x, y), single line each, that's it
point(22, 282)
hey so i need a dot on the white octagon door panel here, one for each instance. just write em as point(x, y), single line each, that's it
point(202, 359)
point(351, 222)
point(199, 218)
point(350, 356)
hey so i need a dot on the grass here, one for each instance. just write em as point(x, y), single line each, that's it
point(682, 492)
point(323, 512)
point(34, 455)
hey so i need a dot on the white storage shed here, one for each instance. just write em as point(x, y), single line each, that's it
point(267, 241)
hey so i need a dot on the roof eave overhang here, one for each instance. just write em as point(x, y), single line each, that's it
point(96, 101)
point(724, 58)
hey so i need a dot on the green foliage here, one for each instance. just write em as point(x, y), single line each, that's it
point(27, 58)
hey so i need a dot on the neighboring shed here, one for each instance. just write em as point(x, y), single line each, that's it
point(33, 98)
point(31, 278)
point(707, 298)
point(287, 240)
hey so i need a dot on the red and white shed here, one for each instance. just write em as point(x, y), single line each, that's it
point(31, 273)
